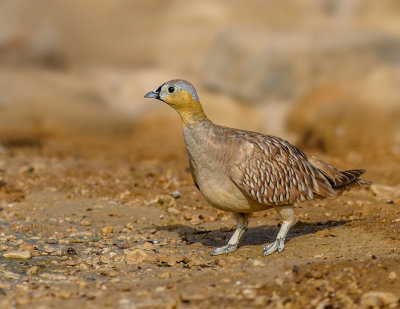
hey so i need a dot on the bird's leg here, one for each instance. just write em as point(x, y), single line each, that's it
point(287, 214)
point(242, 220)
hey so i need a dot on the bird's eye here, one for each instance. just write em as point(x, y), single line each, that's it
point(171, 89)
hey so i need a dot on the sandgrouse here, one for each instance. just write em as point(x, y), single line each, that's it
point(243, 172)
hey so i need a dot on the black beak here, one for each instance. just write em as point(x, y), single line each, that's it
point(152, 94)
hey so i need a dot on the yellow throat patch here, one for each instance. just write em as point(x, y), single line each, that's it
point(188, 108)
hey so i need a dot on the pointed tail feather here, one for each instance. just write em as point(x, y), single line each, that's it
point(340, 180)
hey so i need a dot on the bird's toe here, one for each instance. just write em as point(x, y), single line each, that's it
point(277, 245)
point(271, 248)
point(225, 249)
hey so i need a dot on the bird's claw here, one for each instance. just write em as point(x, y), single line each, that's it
point(277, 245)
point(225, 249)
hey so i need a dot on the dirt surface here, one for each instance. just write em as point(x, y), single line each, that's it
point(121, 225)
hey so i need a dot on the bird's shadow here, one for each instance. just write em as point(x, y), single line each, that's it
point(253, 236)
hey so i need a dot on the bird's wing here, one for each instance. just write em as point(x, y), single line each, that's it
point(275, 172)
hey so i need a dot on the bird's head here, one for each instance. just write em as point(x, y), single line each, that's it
point(182, 96)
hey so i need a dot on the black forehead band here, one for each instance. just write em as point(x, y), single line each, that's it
point(159, 88)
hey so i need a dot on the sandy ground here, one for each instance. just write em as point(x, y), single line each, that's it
point(121, 225)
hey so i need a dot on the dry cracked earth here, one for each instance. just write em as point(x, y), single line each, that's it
point(114, 227)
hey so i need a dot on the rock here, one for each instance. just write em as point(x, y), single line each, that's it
point(26, 170)
point(257, 263)
point(71, 251)
point(187, 216)
point(392, 275)
point(385, 192)
point(175, 194)
point(137, 256)
point(107, 230)
point(165, 275)
point(195, 221)
point(11, 275)
point(34, 270)
point(86, 223)
point(129, 226)
point(249, 293)
point(377, 299)
point(173, 211)
point(222, 263)
point(26, 247)
point(50, 249)
point(17, 254)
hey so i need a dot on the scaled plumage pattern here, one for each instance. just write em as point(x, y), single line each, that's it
point(243, 172)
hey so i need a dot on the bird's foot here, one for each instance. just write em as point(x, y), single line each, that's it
point(278, 244)
point(225, 249)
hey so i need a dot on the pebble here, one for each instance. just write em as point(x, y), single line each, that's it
point(26, 247)
point(165, 275)
point(11, 275)
point(34, 270)
point(129, 226)
point(257, 263)
point(195, 221)
point(187, 216)
point(107, 230)
point(249, 293)
point(222, 263)
point(173, 211)
point(86, 223)
point(175, 194)
point(136, 256)
point(18, 254)
point(392, 275)
point(376, 299)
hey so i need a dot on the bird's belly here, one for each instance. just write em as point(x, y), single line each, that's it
point(226, 196)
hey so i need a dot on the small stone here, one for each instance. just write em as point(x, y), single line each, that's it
point(258, 263)
point(11, 275)
point(165, 275)
point(392, 275)
point(129, 226)
point(23, 301)
point(107, 230)
point(279, 281)
point(222, 263)
point(18, 254)
point(26, 247)
point(175, 194)
point(187, 216)
point(160, 289)
point(26, 170)
point(65, 294)
point(136, 256)
point(249, 293)
point(195, 221)
point(360, 203)
point(377, 299)
point(34, 270)
point(86, 223)
point(49, 249)
point(71, 251)
point(173, 211)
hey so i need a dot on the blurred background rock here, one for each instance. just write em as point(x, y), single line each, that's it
point(323, 73)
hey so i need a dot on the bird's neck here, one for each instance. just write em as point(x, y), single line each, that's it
point(192, 116)
point(191, 112)
point(188, 108)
